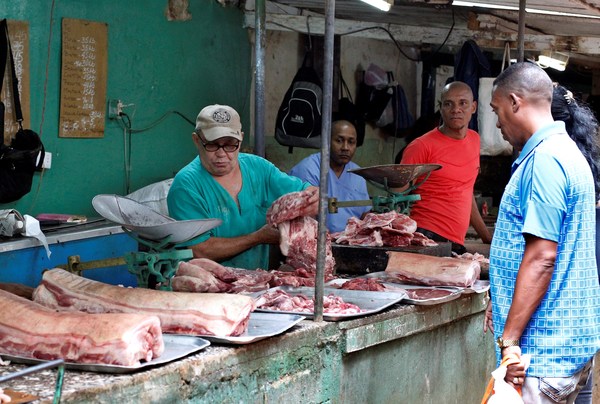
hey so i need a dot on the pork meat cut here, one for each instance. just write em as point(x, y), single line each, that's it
point(390, 229)
point(290, 206)
point(204, 275)
point(180, 313)
point(432, 271)
point(30, 330)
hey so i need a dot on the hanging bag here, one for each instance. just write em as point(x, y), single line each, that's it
point(492, 142)
point(25, 154)
point(298, 122)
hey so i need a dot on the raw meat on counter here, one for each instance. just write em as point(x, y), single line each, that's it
point(299, 245)
point(299, 236)
point(204, 275)
point(371, 284)
point(279, 300)
point(179, 312)
point(30, 330)
point(391, 229)
point(432, 271)
point(425, 294)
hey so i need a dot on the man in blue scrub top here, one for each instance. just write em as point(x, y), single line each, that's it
point(237, 188)
point(545, 298)
point(341, 184)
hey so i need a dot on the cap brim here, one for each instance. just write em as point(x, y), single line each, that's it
point(213, 134)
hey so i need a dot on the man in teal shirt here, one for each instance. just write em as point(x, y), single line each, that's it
point(238, 188)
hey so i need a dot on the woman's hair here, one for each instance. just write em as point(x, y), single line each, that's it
point(582, 127)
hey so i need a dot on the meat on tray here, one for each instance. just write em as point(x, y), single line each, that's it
point(426, 294)
point(431, 271)
point(370, 284)
point(31, 330)
point(299, 235)
point(391, 229)
point(280, 300)
point(204, 275)
point(179, 312)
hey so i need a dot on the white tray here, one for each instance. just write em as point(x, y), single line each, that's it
point(260, 326)
point(398, 288)
point(176, 347)
point(370, 302)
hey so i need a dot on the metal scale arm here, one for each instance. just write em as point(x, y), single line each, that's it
point(387, 178)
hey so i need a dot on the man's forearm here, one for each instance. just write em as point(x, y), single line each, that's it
point(221, 248)
point(533, 280)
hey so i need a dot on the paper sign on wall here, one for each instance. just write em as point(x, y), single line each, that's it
point(18, 32)
point(83, 78)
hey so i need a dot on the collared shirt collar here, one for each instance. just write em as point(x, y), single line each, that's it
point(537, 138)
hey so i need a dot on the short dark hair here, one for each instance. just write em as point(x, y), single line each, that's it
point(527, 80)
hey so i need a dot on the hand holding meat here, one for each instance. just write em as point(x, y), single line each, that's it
point(268, 234)
point(293, 205)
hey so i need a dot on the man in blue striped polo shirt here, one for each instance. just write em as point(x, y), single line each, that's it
point(545, 297)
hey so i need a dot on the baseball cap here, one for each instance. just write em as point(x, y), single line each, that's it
point(217, 121)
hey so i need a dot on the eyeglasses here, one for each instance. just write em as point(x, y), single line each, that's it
point(213, 147)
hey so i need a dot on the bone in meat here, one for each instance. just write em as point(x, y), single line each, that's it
point(180, 313)
point(31, 330)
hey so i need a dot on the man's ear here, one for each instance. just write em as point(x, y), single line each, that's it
point(196, 139)
point(474, 108)
point(515, 102)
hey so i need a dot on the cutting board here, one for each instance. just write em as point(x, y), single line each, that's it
point(363, 260)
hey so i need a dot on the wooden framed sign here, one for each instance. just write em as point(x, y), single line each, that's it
point(83, 78)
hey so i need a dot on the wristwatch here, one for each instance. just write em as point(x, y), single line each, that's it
point(503, 343)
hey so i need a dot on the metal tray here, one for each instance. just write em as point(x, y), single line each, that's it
point(396, 175)
point(371, 302)
point(479, 286)
point(176, 347)
point(147, 222)
point(260, 326)
point(397, 288)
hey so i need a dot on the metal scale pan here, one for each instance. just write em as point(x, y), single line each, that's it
point(395, 175)
point(148, 223)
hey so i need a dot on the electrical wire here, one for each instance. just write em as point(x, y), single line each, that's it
point(162, 118)
point(125, 122)
point(387, 31)
point(45, 93)
point(126, 148)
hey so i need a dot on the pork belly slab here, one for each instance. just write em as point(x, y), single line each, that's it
point(432, 271)
point(179, 312)
point(30, 330)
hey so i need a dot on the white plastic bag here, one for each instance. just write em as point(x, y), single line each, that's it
point(503, 392)
point(492, 142)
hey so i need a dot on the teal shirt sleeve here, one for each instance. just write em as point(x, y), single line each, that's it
point(543, 201)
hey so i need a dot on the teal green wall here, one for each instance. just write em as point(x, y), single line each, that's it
point(156, 64)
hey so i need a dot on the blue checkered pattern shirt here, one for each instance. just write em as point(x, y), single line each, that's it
point(550, 195)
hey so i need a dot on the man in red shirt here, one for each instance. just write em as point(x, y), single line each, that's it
point(447, 204)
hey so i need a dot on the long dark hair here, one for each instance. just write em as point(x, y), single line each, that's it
point(582, 127)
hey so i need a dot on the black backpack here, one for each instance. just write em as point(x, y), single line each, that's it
point(299, 117)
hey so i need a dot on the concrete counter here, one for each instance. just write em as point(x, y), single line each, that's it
point(407, 354)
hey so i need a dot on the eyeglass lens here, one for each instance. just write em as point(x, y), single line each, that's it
point(213, 147)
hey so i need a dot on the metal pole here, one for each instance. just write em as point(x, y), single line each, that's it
point(521, 32)
point(325, 139)
point(259, 77)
